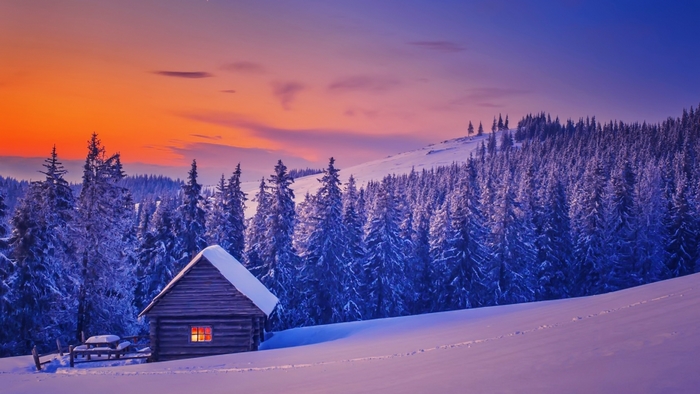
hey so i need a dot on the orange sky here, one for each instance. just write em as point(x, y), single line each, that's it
point(298, 80)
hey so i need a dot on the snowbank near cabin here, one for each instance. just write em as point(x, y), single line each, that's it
point(644, 339)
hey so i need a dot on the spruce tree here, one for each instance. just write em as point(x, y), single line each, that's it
point(156, 254)
point(554, 246)
point(354, 252)
point(682, 248)
point(588, 226)
point(441, 256)
point(423, 272)
point(217, 216)
point(105, 222)
point(384, 267)
point(256, 232)
point(467, 282)
point(620, 226)
point(40, 289)
point(278, 256)
point(3, 215)
point(325, 269)
point(236, 215)
point(191, 234)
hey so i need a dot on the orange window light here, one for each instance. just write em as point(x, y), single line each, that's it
point(200, 334)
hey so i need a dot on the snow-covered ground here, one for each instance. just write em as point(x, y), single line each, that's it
point(639, 340)
point(436, 155)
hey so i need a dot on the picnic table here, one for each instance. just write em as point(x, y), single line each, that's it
point(109, 341)
point(98, 345)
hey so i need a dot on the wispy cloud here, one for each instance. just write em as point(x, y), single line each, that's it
point(482, 97)
point(366, 83)
point(245, 67)
point(184, 74)
point(369, 113)
point(353, 145)
point(439, 46)
point(208, 137)
point(228, 91)
point(286, 92)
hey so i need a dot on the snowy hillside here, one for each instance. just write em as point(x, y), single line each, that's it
point(431, 156)
point(644, 339)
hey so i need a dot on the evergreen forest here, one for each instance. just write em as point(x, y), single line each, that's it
point(544, 210)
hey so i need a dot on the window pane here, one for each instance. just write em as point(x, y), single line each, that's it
point(200, 333)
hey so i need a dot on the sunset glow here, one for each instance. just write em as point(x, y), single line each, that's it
point(252, 82)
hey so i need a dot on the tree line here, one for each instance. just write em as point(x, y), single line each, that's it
point(578, 208)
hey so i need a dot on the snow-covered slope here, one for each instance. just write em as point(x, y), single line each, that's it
point(644, 339)
point(436, 155)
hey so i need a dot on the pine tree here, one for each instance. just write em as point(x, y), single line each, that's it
point(105, 215)
point(217, 216)
point(424, 298)
point(3, 215)
point(256, 232)
point(500, 123)
point(384, 268)
point(156, 254)
point(651, 209)
point(470, 129)
point(683, 245)
point(480, 131)
point(354, 252)
point(40, 289)
point(620, 225)
point(441, 256)
point(554, 244)
point(278, 256)
point(191, 235)
point(513, 252)
point(324, 267)
point(467, 282)
point(236, 215)
point(587, 228)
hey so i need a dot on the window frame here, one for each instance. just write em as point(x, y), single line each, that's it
point(201, 334)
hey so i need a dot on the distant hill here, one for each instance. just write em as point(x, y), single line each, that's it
point(432, 156)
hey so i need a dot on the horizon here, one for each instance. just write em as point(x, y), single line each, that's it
point(224, 82)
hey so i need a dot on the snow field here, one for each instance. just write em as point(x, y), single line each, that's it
point(644, 339)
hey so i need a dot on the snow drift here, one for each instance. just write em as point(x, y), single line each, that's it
point(644, 339)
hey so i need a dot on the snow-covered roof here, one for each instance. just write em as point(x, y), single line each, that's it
point(234, 272)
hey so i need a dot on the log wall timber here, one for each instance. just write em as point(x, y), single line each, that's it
point(231, 334)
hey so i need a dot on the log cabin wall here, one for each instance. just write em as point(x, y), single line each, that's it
point(203, 297)
point(231, 334)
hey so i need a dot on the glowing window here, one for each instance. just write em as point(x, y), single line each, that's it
point(200, 334)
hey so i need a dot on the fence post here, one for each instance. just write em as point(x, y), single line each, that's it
point(70, 352)
point(36, 359)
point(58, 345)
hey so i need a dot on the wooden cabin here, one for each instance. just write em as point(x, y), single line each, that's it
point(213, 306)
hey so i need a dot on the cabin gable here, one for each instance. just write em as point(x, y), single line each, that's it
point(203, 291)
